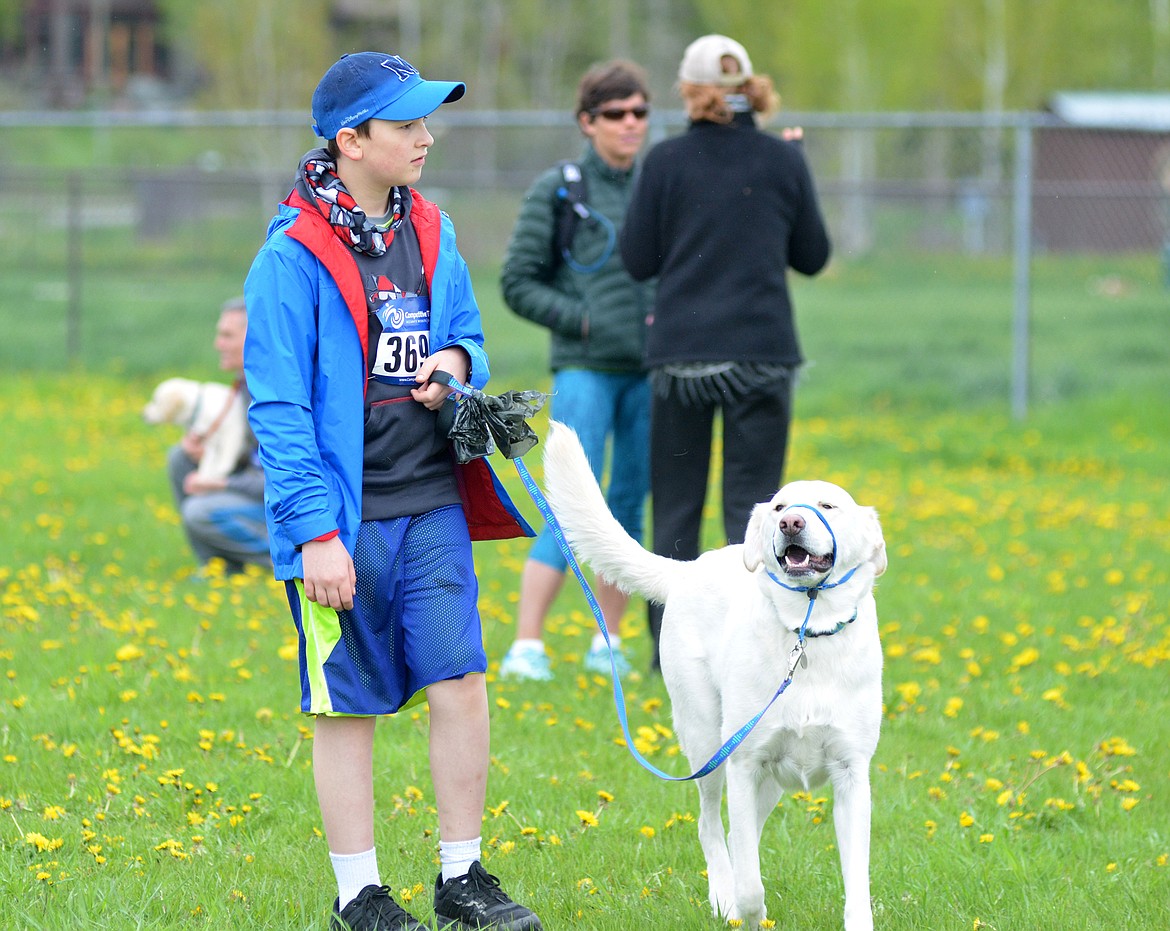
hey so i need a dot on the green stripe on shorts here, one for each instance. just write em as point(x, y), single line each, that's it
point(322, 631)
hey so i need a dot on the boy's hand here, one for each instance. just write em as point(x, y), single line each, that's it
point(329, 577)
point(453, 360)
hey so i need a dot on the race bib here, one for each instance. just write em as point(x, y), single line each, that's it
point(404, 343)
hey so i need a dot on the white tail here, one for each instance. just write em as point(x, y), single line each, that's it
point(592, 531)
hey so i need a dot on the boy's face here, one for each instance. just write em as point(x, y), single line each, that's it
point(393, 154)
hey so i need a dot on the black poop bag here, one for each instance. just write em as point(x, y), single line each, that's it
point(483, 423)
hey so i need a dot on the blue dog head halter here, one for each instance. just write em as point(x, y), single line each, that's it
point(813, 590)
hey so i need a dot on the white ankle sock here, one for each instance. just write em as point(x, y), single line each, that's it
point(456, 856)
point(354, 871)
point(599, 641)
point(528, 644)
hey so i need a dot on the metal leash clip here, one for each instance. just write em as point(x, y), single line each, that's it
point(797, 656)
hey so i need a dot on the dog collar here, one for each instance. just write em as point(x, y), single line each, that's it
point(196, 408)
point(841, 625)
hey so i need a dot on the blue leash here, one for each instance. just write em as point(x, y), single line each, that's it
point(794, 657)
point(618, 695)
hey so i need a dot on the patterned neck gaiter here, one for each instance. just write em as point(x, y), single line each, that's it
point(337, 205)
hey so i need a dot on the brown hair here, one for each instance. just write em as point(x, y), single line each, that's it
point(610, 80)
point(708, 101)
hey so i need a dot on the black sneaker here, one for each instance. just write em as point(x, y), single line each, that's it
point(374, 909)
point(476, 901)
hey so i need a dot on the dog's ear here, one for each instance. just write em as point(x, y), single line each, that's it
point(756, 540)
point(878, 553)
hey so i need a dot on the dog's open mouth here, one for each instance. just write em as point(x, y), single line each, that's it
point(799, 561)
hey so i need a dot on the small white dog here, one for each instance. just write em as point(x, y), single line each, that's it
point(210, 410)
point(730, 635)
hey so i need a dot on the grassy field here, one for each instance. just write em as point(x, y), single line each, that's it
point(154, 772)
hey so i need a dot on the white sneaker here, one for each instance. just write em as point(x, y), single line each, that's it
point(597, 660)
point(526, 664)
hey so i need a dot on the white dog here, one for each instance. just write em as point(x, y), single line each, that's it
point(730, 635)
point(213, 412)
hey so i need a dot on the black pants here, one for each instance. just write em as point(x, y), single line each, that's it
point(755, 442)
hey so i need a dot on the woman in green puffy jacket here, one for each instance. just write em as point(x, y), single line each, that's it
point(564, 273)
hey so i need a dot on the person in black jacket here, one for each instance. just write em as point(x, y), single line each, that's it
point(719, 214)
point(596, 316)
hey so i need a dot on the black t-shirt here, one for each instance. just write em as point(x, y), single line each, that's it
point(407, 466)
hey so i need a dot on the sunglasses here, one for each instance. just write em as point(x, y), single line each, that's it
point(614, 114)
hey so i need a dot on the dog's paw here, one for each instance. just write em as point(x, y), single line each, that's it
point(721, 894)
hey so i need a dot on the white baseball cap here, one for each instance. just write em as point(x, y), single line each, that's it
point(702, 62)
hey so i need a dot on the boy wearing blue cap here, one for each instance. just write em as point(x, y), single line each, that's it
point(356, 297)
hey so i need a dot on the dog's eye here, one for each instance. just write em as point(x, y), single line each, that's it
point(780, 507)
point(825, 506)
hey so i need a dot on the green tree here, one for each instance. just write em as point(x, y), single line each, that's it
point(265, 54)
point(947, 54)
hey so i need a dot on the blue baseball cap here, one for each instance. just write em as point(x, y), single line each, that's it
point(371, 85)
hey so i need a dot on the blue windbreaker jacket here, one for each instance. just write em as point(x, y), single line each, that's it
point(305, 360)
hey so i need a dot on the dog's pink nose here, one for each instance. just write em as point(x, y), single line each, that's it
point(791, 524)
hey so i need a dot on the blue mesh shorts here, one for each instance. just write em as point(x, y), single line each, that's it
point(414, 620)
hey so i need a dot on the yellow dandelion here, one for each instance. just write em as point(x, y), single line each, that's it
point(43, 843)
point(1026, 658)
point(587, 818)
point(129, 652)
point(1117, 746)
point(908, 691)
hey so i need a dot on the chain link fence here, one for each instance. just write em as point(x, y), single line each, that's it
point(183, 200)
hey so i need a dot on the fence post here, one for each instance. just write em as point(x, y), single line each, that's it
point(1022, 262)
point(74, 272)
